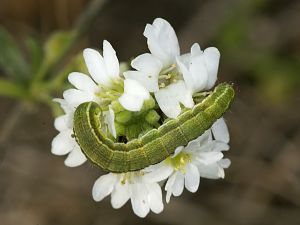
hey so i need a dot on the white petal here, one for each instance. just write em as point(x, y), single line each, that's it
point(63, 143)
point(220, 131)
point(103, 186)
point(148, 70)
point(212, 58)
point(64, 105)
point(111, 60)
point(169, 186)
point(134, 88)
point(60, 123)
point(194, 69)
point(193, 146)
point(168, 99)
point(168, 104)
point(96, 66)
point(170, 181)
point(220, 146)
point(75, 97)
point(199, 73)
point(196, 50)
point(168, 195)
point(134, 95)
point(209, 157)
point(139, 200)
point(83, 82)
point(147, 63)
point(155, 197)
point(131, 103)
point(182, 93)
point(187, 76)
point(75, 157)
point(224, 163)
point(150, 82)
point(110, 120)
point(120, 195)
point(192, 178)
point(202, 143)
point(159, 172)
point(207, 147)
point(212, 171)
point(205, 138)
point(162, 41)
point(184, 58)
point(178, 184)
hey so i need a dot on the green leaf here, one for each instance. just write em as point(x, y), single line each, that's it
point(56, 45)
point(10, 89)
point(11, 59)
point(35, 52)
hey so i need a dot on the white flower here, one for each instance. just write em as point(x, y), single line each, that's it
point(104, 72)
point(173, 84)
point(102, 69)
point(202, 157)
point(220, 143)
point(162, 41)
point(64, 143)
point(144, 195)
point(199, 68)
point(170, 97)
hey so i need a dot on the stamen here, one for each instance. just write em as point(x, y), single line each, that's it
point(179, 162)
point(164, 77)
point(169, 69)
point(162, 85)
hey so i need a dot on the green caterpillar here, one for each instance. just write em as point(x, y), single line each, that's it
point(154, 146)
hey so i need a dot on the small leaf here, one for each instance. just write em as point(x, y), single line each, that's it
point(11, 58)
point(35, 52)
point(10, 89)
point(56, 45)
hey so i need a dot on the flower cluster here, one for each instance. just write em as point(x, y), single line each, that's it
point(159, 85)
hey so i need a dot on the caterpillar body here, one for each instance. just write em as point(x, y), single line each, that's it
point(154, 146)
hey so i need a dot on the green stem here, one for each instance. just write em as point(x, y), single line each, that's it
point(56, 82)
point(88, 16)
point(47, 67)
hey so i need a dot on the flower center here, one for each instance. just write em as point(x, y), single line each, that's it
point(128, 124)
point(109, 94)
point(131, 177)
point(168, 76)
point(180, 161)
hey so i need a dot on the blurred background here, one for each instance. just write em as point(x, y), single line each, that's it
point(259, 40)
